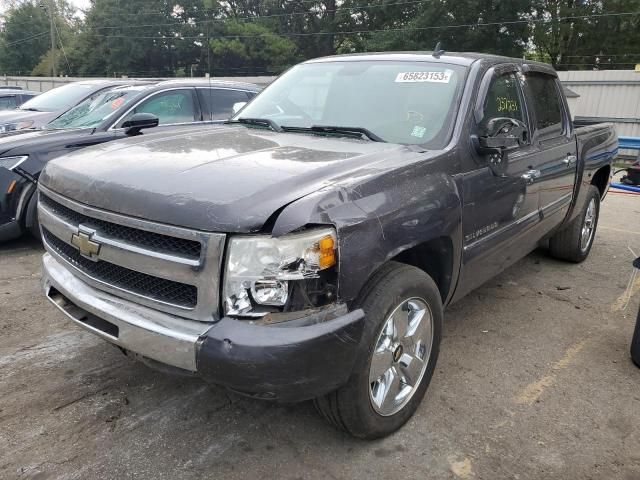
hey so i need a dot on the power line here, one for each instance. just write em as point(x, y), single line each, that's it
point(26, 39)
point(352, 32)
point(258, 17)
point(61, 47)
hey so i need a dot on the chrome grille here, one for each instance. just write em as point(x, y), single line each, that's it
point(162, 243)
point(140, 283)
point(167, 268)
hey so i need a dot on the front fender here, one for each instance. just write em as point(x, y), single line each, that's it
point(379, 218)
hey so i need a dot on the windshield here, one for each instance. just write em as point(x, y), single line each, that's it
point(399, 102)
point(59, 98)
point(96, 109)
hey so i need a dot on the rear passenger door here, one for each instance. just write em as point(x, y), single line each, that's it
point(217, 103)
point(553, 136)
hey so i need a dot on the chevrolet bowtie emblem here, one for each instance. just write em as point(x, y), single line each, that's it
point(82, 241)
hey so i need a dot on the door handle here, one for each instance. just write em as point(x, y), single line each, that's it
point(570, 160)
point(530, 176)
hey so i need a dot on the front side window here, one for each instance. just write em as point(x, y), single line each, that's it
point(546, 102)
point(173, 106)
point(400, 102)
point(8, 102)
point(503, 100)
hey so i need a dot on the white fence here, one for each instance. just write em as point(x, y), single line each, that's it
point(609, 96)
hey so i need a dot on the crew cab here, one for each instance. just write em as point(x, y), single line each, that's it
point(307, 249)
point(107, 115)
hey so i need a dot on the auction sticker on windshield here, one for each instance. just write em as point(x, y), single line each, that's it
point(417, 77)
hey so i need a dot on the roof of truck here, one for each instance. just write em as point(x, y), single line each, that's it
point(456, 58)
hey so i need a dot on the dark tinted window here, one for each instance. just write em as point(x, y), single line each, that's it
point(221, 101)
point(8, 102)
point(546, 102)
point(503, 99)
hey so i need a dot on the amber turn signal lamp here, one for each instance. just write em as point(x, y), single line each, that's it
point(12, 185)
point(327, 250)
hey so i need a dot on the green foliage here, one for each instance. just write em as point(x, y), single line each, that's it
point(256, 49)
point(24, 39)
point(609, 42)
point(237, 37)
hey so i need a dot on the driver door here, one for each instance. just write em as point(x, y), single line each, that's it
point(499, 209)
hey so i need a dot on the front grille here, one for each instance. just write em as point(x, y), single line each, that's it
point(133, 236)
point(159, 289)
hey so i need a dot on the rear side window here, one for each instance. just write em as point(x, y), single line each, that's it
point(8, 102)
point(546, 103)
point(221, 101)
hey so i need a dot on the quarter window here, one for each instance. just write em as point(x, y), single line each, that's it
point(546, 102)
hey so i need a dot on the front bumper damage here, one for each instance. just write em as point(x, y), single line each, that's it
point(289, 361)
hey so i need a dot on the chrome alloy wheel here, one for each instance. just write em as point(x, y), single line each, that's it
point(400, 356)
point(588, 225)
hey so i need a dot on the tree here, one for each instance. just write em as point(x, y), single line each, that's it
point(578, 34)
point(461, 25)
point(24, 38)
point(255, 50)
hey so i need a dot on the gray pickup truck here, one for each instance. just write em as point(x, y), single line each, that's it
point(307, 249)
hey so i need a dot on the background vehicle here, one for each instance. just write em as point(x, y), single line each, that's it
point(107, 115)
point(308, 250)
point(45, 107)
point(12, 97)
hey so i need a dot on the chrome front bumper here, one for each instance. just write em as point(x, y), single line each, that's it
point(150, 333)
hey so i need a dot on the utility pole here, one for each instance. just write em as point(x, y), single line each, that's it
point(52, 28)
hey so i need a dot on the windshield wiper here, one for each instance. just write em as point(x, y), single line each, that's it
point(258, 122)
point(353, 131)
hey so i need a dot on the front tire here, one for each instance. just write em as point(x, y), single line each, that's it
point(573, 243)
point(31, 223)
point(398, 354)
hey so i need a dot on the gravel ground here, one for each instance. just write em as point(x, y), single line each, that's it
point(534, 381)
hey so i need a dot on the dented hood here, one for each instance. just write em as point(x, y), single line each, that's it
point(227, 179)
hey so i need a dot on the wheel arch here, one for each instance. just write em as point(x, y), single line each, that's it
point(434, 257)
point(600, 179)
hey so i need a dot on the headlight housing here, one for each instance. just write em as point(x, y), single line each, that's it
point(264, 274)
point(10, 127)
point(12, 162)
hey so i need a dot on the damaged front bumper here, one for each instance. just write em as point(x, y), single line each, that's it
point(288, 361)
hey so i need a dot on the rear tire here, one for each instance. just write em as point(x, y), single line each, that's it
point(573, 243)
point(403, 329)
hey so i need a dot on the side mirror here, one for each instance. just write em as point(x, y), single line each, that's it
point(501, 135)
point(138, 121)
point(238, 106)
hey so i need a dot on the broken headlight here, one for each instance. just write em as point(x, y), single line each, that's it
point(266, 274)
